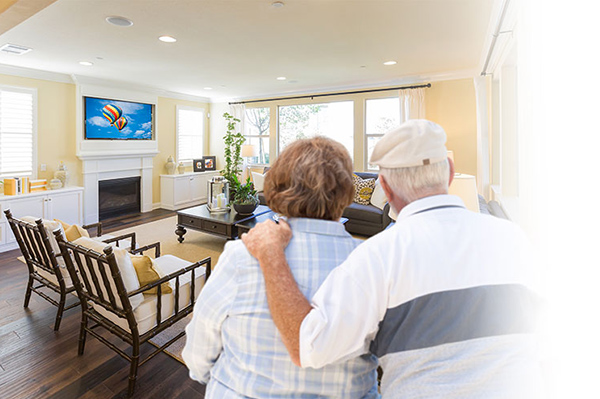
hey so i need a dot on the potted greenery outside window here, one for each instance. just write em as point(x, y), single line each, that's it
point(245, 200)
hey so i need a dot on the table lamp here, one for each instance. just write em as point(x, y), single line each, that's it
point(248, 151)
point(465, 187)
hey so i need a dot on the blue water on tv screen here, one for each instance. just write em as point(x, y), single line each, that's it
point(117, 120)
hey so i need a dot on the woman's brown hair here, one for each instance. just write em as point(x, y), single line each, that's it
point(312, 178)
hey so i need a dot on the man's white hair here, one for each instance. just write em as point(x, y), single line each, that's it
point(416, 182)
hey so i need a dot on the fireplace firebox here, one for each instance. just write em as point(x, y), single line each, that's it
point(118, 197)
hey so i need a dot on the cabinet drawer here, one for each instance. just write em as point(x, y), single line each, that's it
point(189, 221)
point(214, 227)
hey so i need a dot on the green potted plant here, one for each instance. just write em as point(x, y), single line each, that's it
point(245, 199)
point(233, 160)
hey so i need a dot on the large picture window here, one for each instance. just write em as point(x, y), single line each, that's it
point(190, 133)
point(383, 114)
point(17, 132)
point(257, 134)
point(334, 120)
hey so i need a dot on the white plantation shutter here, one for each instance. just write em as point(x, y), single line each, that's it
point(190, 133)
point(17, 126)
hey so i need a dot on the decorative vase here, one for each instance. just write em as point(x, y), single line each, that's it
point(245, 209)
point(55, 184)
point(181, 168)
point(62, 174)
point(170, 165)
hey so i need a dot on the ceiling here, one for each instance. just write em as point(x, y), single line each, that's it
point(239, 47)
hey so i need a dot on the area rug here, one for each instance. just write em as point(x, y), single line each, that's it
point(174, 350)
point(196, 245)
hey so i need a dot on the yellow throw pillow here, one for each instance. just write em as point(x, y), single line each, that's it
point(363, 189)
point(73, 231)
point(146, 273)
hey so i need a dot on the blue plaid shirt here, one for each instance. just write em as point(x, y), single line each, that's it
point(232, 342)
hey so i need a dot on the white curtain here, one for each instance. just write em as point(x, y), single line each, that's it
point(412, 104)
point(483, 142)
point(239, 111)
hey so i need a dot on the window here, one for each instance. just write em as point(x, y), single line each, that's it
point(333, 120)
point(190, 133)
point(17, 132)
point(383, 114)
point(257, 133)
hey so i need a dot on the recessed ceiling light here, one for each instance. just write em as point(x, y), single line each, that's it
point(390, 63)
point(86, 63)
point(167, 39)
point(119, 21)
point(281, 78)
point(208, 88)
point(277, 4)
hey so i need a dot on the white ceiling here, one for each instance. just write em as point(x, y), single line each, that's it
point(240, 47)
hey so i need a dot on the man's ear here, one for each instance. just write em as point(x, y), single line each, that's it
point(386, 189)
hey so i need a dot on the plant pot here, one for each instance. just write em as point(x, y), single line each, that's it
point(244, 209)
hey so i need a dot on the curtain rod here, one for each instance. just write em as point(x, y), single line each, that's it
point(331, 94)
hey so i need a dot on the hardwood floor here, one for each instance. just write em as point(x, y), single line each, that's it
point(36, 362)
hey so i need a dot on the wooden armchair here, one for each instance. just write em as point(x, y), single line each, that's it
point(44, 260)
point(112, 299)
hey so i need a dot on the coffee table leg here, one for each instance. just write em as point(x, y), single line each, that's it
point(180, 231)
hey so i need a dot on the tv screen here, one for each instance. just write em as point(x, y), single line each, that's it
point(118, 120)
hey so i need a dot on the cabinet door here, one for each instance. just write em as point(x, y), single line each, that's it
point(23, 206)
point(65, 207)
point(182, 190)
point(197, 187)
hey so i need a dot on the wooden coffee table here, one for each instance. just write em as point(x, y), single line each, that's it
point(219, 224)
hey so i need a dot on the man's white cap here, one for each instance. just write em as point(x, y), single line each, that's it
point(414, 143)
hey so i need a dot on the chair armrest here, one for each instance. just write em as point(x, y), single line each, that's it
point(122, 237)
point(98, 227)
point(203, 262)
point(140, 250)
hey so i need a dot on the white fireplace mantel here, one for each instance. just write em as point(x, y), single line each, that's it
point(97, 167)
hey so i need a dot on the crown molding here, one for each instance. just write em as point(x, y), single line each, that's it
point(34, 74)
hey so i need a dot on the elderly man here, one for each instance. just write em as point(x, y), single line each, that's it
point(444, 297)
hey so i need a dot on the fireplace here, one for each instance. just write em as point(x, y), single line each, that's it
point(118, 197)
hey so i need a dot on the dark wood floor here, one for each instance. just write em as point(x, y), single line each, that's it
point(36, 362)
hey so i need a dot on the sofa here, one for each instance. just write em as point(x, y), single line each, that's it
point(366, 220)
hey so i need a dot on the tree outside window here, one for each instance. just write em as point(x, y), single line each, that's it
point(257, 133)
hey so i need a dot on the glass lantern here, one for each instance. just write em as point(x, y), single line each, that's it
point(218, 194)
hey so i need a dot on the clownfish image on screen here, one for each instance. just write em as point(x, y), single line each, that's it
point(118, 120)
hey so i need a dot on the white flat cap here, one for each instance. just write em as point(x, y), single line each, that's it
point(414, 143)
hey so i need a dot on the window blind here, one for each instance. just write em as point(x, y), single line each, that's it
point(16, 132)
point(190, 133)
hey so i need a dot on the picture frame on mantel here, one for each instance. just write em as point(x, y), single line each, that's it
point(199, 165)
point(210, 163)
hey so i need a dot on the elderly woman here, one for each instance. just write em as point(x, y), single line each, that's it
point(232, 343)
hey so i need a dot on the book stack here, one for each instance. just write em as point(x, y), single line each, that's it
point(17, 185)
point(37, 185)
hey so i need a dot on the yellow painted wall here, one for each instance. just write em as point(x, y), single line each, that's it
point(166, 128)
point(451, 104)
point(56, 125)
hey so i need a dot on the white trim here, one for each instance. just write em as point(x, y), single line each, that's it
point(35, 74)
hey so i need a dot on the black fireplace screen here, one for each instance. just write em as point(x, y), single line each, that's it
point(118, 197)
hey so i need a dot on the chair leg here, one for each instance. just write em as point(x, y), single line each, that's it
point(61, 308)
point(82, 334)
point(135, 358)
point(28, 292)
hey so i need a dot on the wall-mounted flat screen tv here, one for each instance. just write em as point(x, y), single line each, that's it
point(107, 119)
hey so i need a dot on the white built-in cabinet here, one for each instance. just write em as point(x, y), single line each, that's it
point(65, 204)
point(184, 190)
